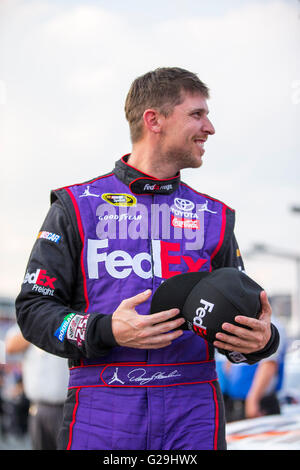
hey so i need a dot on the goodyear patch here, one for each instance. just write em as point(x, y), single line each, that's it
point(62, 330)
point(119, 199)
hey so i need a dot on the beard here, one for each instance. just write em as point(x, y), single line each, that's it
point(181, 158)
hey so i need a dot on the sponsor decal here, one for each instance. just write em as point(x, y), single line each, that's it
point(185, 223)
point(140, 377)
point(184, 208)
point(153, 186)
point(119, 199)
point(115, 378)
point(53, 237)
point(200, 313)
point(77, 329)
point(42, 283)
point(120, 264)
point(119, 217)
point(184, 205)
point(200, 331)
point(62, 330)
point(204, 208)
point(158, 187)
point(87, 193)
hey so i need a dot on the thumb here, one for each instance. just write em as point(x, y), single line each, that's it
point(266, 310)
point(138, 299)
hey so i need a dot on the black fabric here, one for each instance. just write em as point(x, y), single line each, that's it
point(48, 312)
point(221, 440)
point(206, 309)
point(153, 186)
point(141, 183)
point(68, 413)
point(163, 299)
point(238, 288)
point(207, 300)
point(229, 293)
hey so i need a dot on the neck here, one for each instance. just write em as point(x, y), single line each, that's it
point(149, 161)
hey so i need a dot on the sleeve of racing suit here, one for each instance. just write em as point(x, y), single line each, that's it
point(232, 258)
point(44, 305)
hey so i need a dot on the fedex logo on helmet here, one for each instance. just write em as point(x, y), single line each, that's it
point(164, 262)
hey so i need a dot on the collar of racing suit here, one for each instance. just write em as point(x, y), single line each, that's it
point(141, 183)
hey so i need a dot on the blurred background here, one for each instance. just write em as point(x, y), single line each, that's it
point(65, 69)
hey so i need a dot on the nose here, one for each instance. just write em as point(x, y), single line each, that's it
point(208, 128)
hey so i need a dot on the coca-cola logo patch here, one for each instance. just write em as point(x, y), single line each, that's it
point(180, 222)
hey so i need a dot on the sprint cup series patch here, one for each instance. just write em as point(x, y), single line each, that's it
point(119, 199)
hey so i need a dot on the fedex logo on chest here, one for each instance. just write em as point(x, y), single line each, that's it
point(165, 260)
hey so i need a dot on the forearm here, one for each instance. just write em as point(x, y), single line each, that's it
point(263, 376)
point(16, 344)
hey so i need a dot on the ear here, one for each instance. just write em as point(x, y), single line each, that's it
point(153, 120)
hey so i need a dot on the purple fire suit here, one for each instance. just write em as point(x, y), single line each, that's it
point(110, 239)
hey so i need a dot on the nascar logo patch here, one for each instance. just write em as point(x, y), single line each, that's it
point(53, 237)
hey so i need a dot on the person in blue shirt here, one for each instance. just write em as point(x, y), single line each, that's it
point(250, 391)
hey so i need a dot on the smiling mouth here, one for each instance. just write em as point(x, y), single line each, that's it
point(200, 142)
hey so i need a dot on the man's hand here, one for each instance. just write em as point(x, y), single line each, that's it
point(144, 331)
point(244, 340)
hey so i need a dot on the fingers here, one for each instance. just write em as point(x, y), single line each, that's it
point(133, 330)
point(230, 343)
point(252, 338)
point(138, 299)
point(163, 316)
point(244, 340)
point(161, 341)
point(166, 326)
point(162, 331)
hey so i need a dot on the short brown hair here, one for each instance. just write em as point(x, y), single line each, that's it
point(161, 89)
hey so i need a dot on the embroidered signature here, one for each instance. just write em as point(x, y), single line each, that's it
point(139, 375)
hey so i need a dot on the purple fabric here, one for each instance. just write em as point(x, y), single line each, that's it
point(162, 418)
point(139, 254)
point(142, 375)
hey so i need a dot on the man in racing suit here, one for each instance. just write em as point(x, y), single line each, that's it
point(138, 381)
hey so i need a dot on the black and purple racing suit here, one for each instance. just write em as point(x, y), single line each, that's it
point(104, 241)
